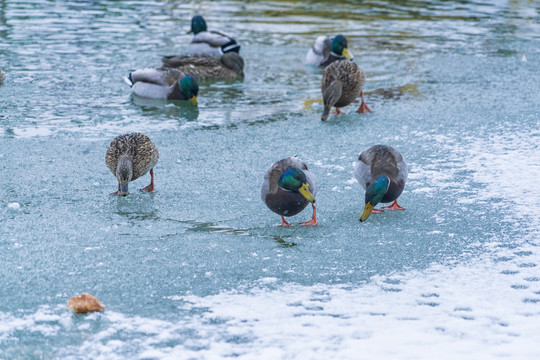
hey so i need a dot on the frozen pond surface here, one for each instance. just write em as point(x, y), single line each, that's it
point(199, 269)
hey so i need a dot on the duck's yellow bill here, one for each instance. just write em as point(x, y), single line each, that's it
point(346, 53)
point(366, 212)
point(304, 190)
point(193, 100)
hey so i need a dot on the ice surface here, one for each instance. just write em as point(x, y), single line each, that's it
point(199, 269)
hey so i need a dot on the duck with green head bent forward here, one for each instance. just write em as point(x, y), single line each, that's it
point(129, 157)
point(288, 188)
point(382, 172)
point(168, 84)
point(342, 82)
point(328, 49)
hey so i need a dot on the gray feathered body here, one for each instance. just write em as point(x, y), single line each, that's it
point(139, 149)
point(382, 160)
point(204, 67)
point(284, 202)
point(342, 81)
point(157, 83)
point(212, 43)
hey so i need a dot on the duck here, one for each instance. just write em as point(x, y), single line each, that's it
point(328, 49)
point(169, 84)
point(341, 83)
point(1, 77)
point(129, 157)
point(288, 187)
point(382, 172)
point(204, 67)
point(213, 43)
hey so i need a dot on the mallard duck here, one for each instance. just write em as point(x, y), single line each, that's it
point(170, 84)
point(129, 157)
point(328, 49)
point(204, 67)
point(213, 43)
point(287, 189)
point(341, 83)
point(382, 172)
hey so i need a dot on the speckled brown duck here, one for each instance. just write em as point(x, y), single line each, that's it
point(204, 67)
point(129, 157)
point(342, 82)
point(382, 172)
point(288, 188)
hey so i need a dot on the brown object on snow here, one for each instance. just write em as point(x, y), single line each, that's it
point(85, 303)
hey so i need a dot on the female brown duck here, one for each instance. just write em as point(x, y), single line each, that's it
point(129, 157)
point(342, 82)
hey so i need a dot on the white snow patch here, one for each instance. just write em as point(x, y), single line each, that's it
point(14, 206)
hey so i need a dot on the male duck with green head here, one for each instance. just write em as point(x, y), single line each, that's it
point(327, 49)
point(382, 172)
point(169, 84)
point(288, 188)
point(206, 42)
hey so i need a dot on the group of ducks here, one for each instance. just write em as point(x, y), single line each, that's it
point(213, 55)
point(288, 185)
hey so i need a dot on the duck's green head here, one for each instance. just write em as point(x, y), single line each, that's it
point(124, 173)
point(339, 46)
point(294, 179)
point(190, 88)
point(197, 25)
point(374, 194)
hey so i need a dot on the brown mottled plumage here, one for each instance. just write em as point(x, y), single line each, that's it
point(341, 84)
point(129, 157)
point(205, 67)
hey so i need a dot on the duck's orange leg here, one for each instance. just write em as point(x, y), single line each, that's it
point(376, 211)
point(150, 187)
point(394, 206)
point(363, 108)
point(337, 112)
point(284, 222)
point(313, 221)
point(116, 192)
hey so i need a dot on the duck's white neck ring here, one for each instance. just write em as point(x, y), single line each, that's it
point(336, 55)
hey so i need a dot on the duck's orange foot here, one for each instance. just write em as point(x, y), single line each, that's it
point(312, 222)
point(363, 108)
point(394, 206)
point(337, 112)
point(148, 188)
point(376, 211)
point(284, 222)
